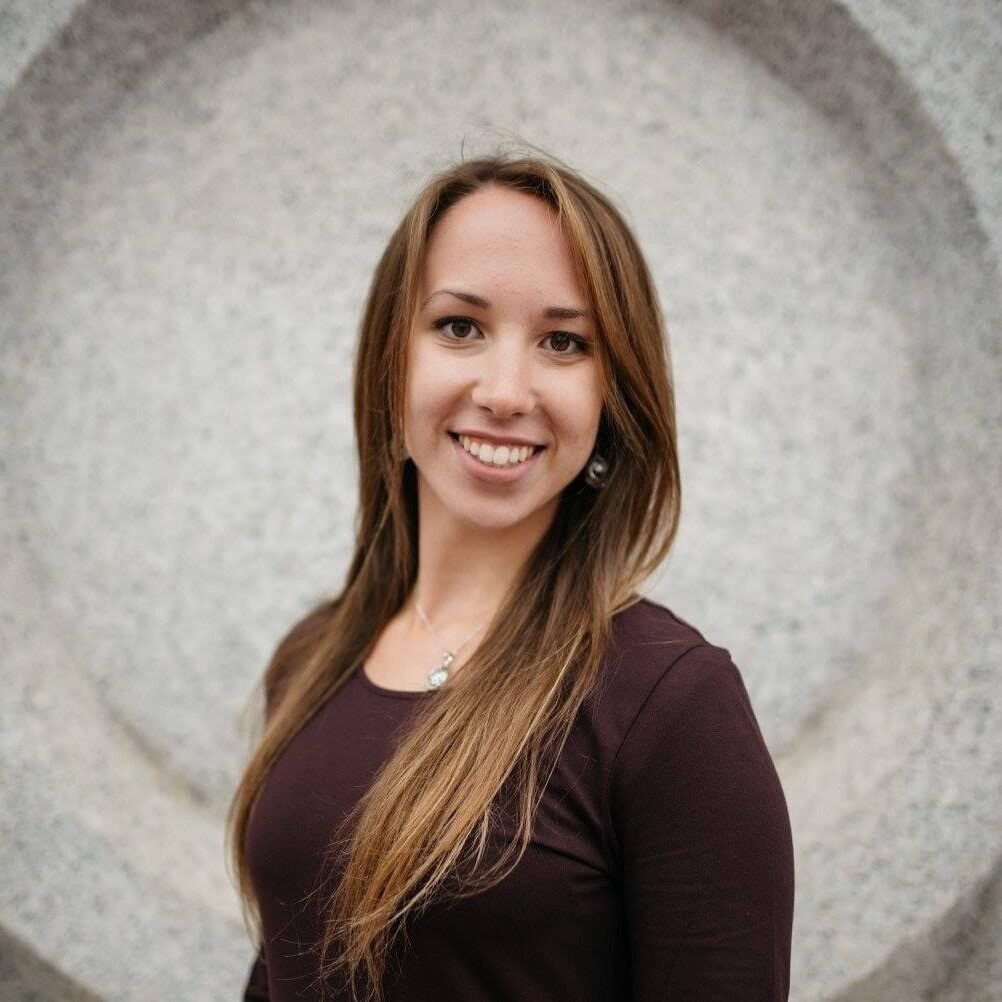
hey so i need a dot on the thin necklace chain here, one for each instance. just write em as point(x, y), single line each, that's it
point(440, 674)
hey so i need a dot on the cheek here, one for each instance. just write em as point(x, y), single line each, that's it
point(429, 382)
point(579, 411)
point(430, 407)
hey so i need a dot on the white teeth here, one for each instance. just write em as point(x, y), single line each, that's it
point(501, 455)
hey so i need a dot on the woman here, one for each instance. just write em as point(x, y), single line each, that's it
point(491, 770)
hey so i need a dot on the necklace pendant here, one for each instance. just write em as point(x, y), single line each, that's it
point(441, 673)
point(437, 677)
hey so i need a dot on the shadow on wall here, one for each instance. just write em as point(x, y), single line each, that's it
point(26, 975)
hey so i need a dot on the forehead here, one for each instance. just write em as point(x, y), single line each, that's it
point(500, 238)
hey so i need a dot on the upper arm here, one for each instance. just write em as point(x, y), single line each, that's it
point(705, 841)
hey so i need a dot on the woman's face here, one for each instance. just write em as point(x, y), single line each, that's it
point(500, 366)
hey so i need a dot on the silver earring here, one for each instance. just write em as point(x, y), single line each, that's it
point(595, 473)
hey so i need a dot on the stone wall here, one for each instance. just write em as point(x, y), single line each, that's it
point(192, 198)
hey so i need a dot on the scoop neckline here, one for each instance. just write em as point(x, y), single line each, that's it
point(392, 693)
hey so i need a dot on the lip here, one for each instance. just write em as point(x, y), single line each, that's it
point(495, 439)
point(491, 474)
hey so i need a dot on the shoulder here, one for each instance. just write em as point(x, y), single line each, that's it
point(292, 650)
point(690, 759)
point(669, 692)
point(653, 652)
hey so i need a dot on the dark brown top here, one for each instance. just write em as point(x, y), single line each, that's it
point(661, 865)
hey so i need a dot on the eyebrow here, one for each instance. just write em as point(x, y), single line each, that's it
point(551, 312)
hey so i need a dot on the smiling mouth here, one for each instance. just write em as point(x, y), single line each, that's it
point(487, 464)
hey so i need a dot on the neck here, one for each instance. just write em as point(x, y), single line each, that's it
point(465, 570)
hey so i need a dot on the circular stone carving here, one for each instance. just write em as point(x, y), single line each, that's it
point(193, 199)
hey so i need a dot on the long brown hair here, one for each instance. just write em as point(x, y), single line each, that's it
point(504, 718)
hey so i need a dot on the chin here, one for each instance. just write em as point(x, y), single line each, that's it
point(491, 517)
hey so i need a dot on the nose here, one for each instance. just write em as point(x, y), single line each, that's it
point(504, 380)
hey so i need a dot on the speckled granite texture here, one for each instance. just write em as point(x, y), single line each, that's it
point(192, 198)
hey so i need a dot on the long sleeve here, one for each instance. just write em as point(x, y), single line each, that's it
point(704, 840)
point(256, 989)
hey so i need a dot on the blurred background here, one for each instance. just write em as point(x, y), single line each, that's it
point(193, 196)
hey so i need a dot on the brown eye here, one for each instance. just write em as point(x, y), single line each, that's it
point(450, 321)
point(565, 337)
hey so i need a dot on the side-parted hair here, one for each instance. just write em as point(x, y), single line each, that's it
point(422, 827)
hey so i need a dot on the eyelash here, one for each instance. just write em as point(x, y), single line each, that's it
point(583, 343)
